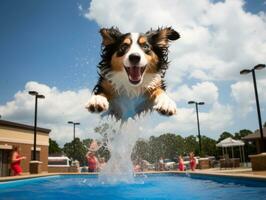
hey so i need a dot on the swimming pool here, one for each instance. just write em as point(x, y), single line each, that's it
point(152, 186)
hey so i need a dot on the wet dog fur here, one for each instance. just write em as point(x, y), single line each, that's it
point(131, 73)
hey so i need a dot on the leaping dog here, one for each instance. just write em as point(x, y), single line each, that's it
point(131, 73)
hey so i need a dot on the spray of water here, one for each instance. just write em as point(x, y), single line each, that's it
point(120, 139)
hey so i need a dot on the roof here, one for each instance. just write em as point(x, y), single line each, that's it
point(255, 135)
point(229, 142)
point(23, 126)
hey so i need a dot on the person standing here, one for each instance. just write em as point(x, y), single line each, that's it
point(15, 161)
point(192, 161)
point(92, 162)
point(181, 165)
point(161, 164)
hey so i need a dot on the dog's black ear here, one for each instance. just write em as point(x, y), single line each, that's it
point(110, 35)
point(162, 36)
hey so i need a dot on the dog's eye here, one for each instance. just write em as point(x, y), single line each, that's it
point(145, 47)
point(123, 47)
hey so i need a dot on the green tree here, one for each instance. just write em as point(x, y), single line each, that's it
point(169, 145)
point(191, 145)
point(180, 145)
point(54, 148)
point(173, 145)
point(141, 150)
point(76, 150)
point(155, 150)
point(208, 146)
point(242, 133)
point(87, 142)
point(224, 135)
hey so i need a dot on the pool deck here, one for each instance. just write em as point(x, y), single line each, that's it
point(237, 172)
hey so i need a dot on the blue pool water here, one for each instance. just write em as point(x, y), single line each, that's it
point(170, 186)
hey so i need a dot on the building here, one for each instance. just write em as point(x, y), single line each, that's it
point(256, 137)
point(22, 135)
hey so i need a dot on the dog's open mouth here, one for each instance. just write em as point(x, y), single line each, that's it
point(135, 74)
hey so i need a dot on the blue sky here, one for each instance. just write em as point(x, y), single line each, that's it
point(51, 42)
point(57, 44)
point(46, 41)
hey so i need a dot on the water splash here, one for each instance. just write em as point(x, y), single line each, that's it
point(120, 139)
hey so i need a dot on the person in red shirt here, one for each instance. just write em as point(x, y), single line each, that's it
point(92, 162)
point(15, 161)
point(181, 165)
point(192, 161)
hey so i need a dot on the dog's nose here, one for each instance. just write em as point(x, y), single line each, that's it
point(134, 58)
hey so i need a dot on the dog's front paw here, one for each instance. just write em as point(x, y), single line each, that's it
point(97, 103)
point(164, 105)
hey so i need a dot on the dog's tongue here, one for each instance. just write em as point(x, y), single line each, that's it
point(135, 73)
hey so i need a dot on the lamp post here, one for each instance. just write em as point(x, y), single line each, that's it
point(247, 71)
point(37, 96)
point(197, 111)
point(74, 127)
point(74, 131)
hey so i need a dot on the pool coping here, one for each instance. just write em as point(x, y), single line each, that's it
point(238, 176)
point(205, 173)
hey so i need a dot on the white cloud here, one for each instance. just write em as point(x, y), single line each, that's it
point(212, 123)
point(205, 91)
point(217, 38)
point(243, 94)
point(58, 107)
point(199, 74)
point(54, 111)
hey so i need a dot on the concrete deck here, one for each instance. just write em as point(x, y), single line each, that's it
point(237, 172)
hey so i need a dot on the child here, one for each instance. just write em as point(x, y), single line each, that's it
point(181, 165)
point(92, 162)
point(192, 161)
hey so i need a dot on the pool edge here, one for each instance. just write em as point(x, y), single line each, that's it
point(220, 174)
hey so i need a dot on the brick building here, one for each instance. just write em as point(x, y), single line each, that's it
point(256, 137)
point(22, 135)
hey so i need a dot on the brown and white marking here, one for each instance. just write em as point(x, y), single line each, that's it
point(132, 70)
